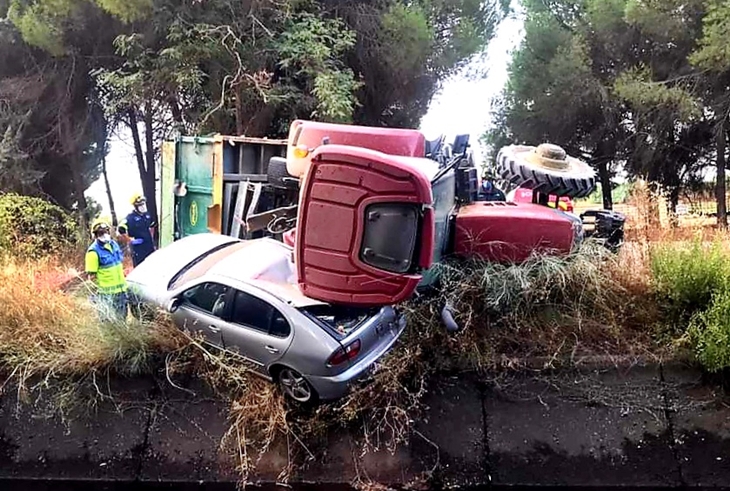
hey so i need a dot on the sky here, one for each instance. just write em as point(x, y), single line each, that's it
point(463, 105)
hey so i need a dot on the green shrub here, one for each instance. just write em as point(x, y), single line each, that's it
point(687, 276)
point(709, 333)
point(33, 228)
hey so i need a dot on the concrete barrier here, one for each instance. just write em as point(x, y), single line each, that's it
point(645, 426)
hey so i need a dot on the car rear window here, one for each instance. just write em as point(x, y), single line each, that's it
point(339, 320)
point(200, 265)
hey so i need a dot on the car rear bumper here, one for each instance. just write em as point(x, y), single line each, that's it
point(335, 387)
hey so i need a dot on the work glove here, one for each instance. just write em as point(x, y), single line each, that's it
point(137, 241)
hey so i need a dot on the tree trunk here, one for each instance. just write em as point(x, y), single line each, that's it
point(112, 209)
point(79, 189)
point(605, 178)
point(177, 116)
point(721, 143)
point(673, 202)
point(151, 175)
point(239, 111)
point(148, 188)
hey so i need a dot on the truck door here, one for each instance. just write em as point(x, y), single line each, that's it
point(366, 227)
point(200, 167)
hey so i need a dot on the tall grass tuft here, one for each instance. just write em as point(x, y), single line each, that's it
point(686, 275)
point(580, 304)
point(47, 335)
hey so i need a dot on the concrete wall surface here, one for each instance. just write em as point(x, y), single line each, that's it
point(644, 426)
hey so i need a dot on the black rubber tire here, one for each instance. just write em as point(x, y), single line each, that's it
point(518, 173)
point(277, 174)
point(285, 372)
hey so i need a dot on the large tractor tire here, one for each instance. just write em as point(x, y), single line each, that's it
point(546, 169)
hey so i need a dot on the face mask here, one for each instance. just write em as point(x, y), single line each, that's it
point(142, 208)
point(105, 238)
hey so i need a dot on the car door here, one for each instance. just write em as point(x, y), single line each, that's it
point(257, 330)
point(202, 309)
point(365, 230)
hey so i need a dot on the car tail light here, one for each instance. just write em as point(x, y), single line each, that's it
point(344, 354)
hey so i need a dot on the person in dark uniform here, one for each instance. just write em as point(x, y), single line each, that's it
point(137, 227)
point(489, 192)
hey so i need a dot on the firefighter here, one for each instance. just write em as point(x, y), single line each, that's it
point(104, 267)
point(137, 226)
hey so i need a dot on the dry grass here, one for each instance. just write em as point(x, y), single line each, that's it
point(592, 303)
point(47, 331)
point(53, 340)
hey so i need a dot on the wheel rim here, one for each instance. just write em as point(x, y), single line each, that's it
point(295, 386)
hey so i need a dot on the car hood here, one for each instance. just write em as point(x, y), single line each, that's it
point(149, 280)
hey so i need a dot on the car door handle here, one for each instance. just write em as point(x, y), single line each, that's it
point(214, 329)
point(271, 349)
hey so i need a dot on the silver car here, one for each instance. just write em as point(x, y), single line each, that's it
point(243, 297)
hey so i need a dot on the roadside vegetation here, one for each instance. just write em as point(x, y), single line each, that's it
point(660, 297)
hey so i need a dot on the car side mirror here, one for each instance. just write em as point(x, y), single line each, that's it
point(173, 304)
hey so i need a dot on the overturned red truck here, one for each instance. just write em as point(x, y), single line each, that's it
point(377, 207)
point(372, 210)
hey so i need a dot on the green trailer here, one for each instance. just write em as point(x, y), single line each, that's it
point(214, 183)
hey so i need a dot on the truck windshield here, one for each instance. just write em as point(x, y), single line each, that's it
point(200, 265)
point(339, 320)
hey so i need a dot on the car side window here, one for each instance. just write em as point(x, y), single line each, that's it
point(209, 297)
point(258, 314)
point(279, 325)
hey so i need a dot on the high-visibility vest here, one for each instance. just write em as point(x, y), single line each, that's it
point(105, 260)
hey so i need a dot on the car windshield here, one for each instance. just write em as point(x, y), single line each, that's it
point(198, 267)
point(339, 320)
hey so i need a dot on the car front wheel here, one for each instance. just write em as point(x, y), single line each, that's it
point(296, 387)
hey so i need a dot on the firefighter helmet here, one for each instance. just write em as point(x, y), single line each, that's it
point(99, 224)
point(137, 199)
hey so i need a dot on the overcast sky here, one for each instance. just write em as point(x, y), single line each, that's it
point(462, 106)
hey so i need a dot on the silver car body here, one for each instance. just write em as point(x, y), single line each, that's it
point(261, 273)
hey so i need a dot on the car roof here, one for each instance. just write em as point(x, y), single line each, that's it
point(268, 265)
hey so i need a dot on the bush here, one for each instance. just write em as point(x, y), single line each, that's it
point(33, 228)
point(709, 333)
point(687, 276)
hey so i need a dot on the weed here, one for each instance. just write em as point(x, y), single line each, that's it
point(686, 276)
point(709, 333)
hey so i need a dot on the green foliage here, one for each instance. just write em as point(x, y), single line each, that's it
point(709, 333)
point(409, 28)
point(610, 81)
point(665, 21)
point(619, 194)
point(17, 170)
point(335, 93)
point(42, 24)
point(127, 10)
point(313, 47)
point(714, 49)
point(687, 276)
point(637, 87)
point(218, 66)
point(33, 228)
